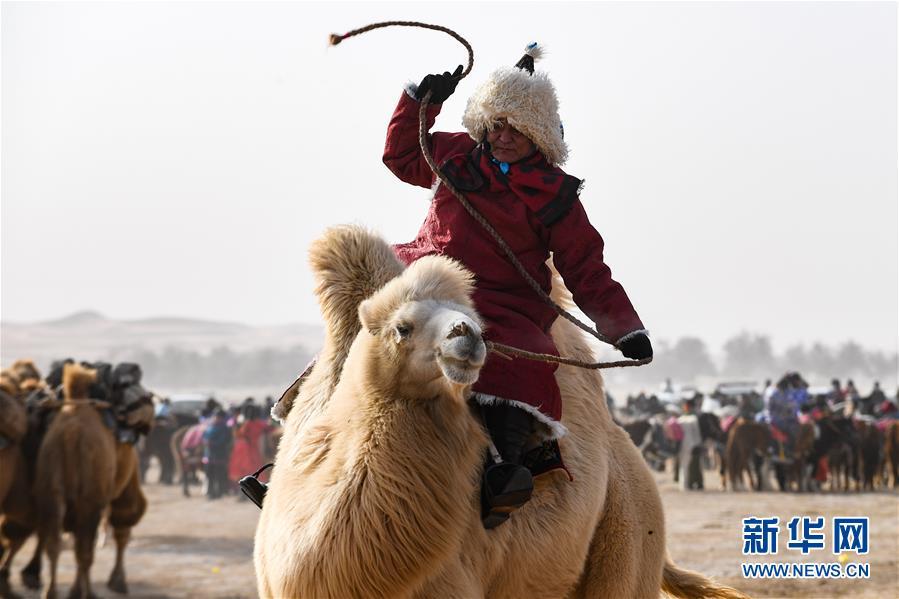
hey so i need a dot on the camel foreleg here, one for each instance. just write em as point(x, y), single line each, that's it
point(117, 581)
point(13, 536)
point(166, 465)
point(735, 468)
point(185, 486)
point(126, 511)
point(722, 467)
point(31, 573)
point(85, 539)
point(50, 530)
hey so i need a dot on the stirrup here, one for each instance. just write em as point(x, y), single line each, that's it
point(505, 488)
point(253, 488)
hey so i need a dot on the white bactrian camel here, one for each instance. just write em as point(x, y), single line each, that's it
point(375, 488)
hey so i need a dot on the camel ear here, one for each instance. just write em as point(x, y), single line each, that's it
point(369, 316)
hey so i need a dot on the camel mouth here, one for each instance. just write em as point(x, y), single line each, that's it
point(460, 372)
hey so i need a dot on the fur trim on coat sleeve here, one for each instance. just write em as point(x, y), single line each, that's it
point(631, 335)
point(552, 430)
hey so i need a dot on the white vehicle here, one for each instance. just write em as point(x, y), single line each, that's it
point(188, 404)
point(733, 389)
point(677, 394)
point(732, 394)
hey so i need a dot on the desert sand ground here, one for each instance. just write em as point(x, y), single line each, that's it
point(198, 548)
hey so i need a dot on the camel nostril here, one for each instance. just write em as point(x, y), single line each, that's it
point(459, 330)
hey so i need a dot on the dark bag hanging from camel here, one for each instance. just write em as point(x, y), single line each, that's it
point(253, 488)
point(126, 373)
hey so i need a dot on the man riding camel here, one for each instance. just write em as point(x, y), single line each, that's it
point(789, 397)
point(507, 164)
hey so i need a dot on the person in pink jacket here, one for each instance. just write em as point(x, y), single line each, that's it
point(246, 457)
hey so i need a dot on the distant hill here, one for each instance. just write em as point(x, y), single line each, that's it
point(234, 359)
point(89, 335)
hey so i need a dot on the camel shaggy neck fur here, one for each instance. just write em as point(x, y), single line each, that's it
point(393, 433)
point(374, 491)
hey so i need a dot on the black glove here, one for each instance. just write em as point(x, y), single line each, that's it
point(441, 86)
point(636, 347)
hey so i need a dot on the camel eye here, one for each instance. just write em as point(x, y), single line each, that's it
point(402, 331)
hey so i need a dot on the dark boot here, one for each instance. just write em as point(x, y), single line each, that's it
point(507, 485)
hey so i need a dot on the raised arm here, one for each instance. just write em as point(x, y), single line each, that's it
point(402, 152)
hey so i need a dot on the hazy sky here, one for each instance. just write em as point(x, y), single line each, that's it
point(177, 159)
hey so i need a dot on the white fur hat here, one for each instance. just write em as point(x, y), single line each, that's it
point(527, 99)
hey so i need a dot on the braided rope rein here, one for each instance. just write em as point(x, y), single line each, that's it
point(504, 350)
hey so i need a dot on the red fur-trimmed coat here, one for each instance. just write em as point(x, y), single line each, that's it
point(534, 221)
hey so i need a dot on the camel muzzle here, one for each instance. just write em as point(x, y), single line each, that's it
point(463, 343)
point(460, 329)
point(462, 352)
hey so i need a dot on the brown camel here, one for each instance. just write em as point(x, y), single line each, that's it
point(82, 471)
point(13, 425)
point(20, 378)
point(840, 459)
point(891, 452)
point(17, 523)
point(745, 441)
point(375, 488)
point(799, 470)
point(18, 519)
point(15, 383)
point(869, 454)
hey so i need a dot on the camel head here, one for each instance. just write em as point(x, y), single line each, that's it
point(136, 409)
point(427, 332)
point(132, 402)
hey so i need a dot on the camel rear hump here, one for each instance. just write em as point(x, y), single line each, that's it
point(77, 381)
